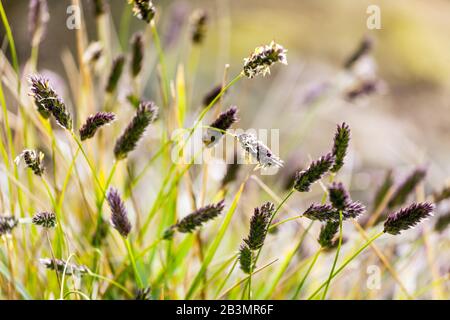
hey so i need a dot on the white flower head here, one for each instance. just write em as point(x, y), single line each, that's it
point(262, 58)
point(260, 152)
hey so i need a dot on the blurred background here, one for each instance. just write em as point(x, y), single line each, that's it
point(407, 120)
point(396, 99)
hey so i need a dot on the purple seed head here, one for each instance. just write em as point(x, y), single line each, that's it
point(408, 217)
point(119, 215)
point(94, 122)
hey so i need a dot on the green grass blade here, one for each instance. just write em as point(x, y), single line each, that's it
point(215, 245)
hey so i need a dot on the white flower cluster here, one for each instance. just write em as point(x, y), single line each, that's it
point(262, 58)
point(260, 152)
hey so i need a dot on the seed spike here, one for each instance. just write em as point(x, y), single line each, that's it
point(304, 179)
point(195, 219)
point(119, 214)
point(245, 258)
point(115, 74)
point(48, 102)
point(259, 224)
point(61, 266)
point(263, 58)
point(95, 122)
point(407, 187)
point(137, 44)
point(143, 9)
point(340, 146)
point(33, 160)
point(199, 20)
point(7, 224)
point(216, 129)
point(328, 234)
point(339, 196)
point(145, 115)
point(408, 217)
point(44, 219)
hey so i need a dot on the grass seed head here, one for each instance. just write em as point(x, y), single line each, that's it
point(383, 189)
point(408, 217)
point(137, 44)
point(34, 160)
point(199, 21)
point(223, 122)
point(7, 224)
point(211, 95)
point(144, 294)
point(119, 214)
point(353, 210)
point(245, 258)
point(195, 219)
point(93, 53)
point(94, 122)
point(363, 49)
point(61, 266)
point(44, 219)
point(263, 58)
point(100, 233)
point(321, 212)
point(48, 102)
point(305, 178)
point(259, 224)
point(339, 196)
point(341, 140)
point(99, 7)
point(145, 114)
point(115, 74)
point(327, 234)
point(442, 222)
point(143, 9)
point(407, 187)
point(364, 88)
point(442, 195)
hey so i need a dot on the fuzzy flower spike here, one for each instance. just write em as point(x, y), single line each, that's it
point(405, 188)
point(63, 266)
point(115, 73)
point(33, 160)
point(48, 102)
point(137, 58)
point(44, 219)
point(327, 237)
point(143, 9)
point(408, 217)
point(259, 151)
point(199, 20)
point(217, 129)
point(304, 179)
point(259, 225)
point(341, 140)
point(7, 224)
point(119, 214)
point(340, 202)
point(127, 142)
point(263, 58)
point(94, 122)
point(195, 220)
